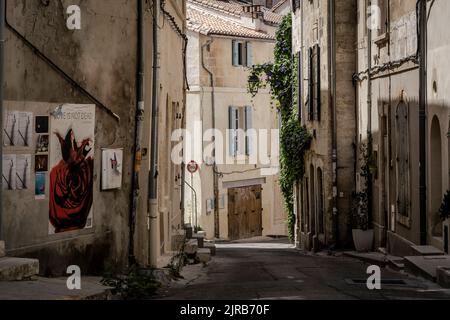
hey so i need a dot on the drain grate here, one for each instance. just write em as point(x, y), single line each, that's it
point(385, 282)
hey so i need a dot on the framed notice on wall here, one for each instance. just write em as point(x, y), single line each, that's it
point(71, 168)
point(112, 167)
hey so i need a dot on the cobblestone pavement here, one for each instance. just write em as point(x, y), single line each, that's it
point(268, 270)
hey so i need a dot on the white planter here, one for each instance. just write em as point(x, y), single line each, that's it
point(363, 240)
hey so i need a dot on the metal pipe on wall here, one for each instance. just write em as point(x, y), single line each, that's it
point(332, 61)
point(422, 6)
point(369, 115)
point(153, 176)
point(213, 115)
point(140, 112)
point(2, 68)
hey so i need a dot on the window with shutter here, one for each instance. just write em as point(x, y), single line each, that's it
point(248, 126)
point(235, 52)
point(314, 84)
point(317, 102)
point(311, 86)
point(299, 84)
point(232, 131)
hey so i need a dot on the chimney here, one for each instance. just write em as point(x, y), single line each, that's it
point(254, 10)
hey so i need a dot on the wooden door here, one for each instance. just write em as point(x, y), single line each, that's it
point(245, 212)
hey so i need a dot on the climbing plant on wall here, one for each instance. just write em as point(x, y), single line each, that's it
point(281, 77)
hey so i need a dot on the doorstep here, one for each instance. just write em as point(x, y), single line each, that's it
point(426, 266)
point(53, 289)
point(370, 257)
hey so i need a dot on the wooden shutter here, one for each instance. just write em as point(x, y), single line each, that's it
point(402, 132)
point(311, 86)
point(232, 130)
point(249, 54)
point(248, 126)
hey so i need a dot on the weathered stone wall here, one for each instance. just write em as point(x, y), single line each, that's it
point(314, 30)
point(230, 90)
point(101, 57)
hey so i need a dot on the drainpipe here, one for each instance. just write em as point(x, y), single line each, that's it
point(2, 67)
point(332, 79)
point(423, 119)
point(213, 115)
point(140, 112)
point(369, 115)
point(153, 177)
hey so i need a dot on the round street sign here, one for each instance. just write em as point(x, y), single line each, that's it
point(192, 167)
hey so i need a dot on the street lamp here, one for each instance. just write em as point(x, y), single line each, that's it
point(253, 81)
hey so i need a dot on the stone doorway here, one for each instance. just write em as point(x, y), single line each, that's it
point(245, 212)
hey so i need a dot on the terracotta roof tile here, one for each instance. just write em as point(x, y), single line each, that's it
point(234, 7)
point(279, 4)
point(208, 24)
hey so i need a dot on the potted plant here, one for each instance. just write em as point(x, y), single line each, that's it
point(363, 235)
point(444, 211)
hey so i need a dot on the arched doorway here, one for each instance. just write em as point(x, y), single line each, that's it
point(312, 202)
point(320, 202)
point(436, 192)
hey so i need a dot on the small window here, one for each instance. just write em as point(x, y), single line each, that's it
point(402, 156)
point(295, 4)
point(384, 8)
point(242, 53)
point(314, 84)
point(299, 84)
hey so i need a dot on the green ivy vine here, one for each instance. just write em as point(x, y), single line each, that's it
point(281, 77)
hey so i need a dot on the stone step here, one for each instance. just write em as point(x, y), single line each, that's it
point(200, 238)
point(188, 230)
point(211, 247)
point(2, 249)
point(17, 269)
point(426, 266)
point(204, 255)
point(396, 263)
point(426, 251)
point(191, 247)
point(443, 277)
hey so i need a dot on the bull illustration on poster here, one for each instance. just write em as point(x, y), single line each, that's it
point(72, 150)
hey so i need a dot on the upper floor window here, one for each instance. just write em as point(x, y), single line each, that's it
point(242, 53)
point(314, 84)
point(295, 4)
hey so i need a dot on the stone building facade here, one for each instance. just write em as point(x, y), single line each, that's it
point(49, 65)
point(232, 198)
point(384, 77)
point(323, 44)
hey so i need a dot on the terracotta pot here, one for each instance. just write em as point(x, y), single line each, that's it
point(363, 240)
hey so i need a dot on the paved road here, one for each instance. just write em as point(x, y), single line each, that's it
point(270, 270)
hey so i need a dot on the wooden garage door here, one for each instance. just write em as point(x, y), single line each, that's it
point(244, 212)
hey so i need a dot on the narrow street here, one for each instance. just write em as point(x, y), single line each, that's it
point(271, 269)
